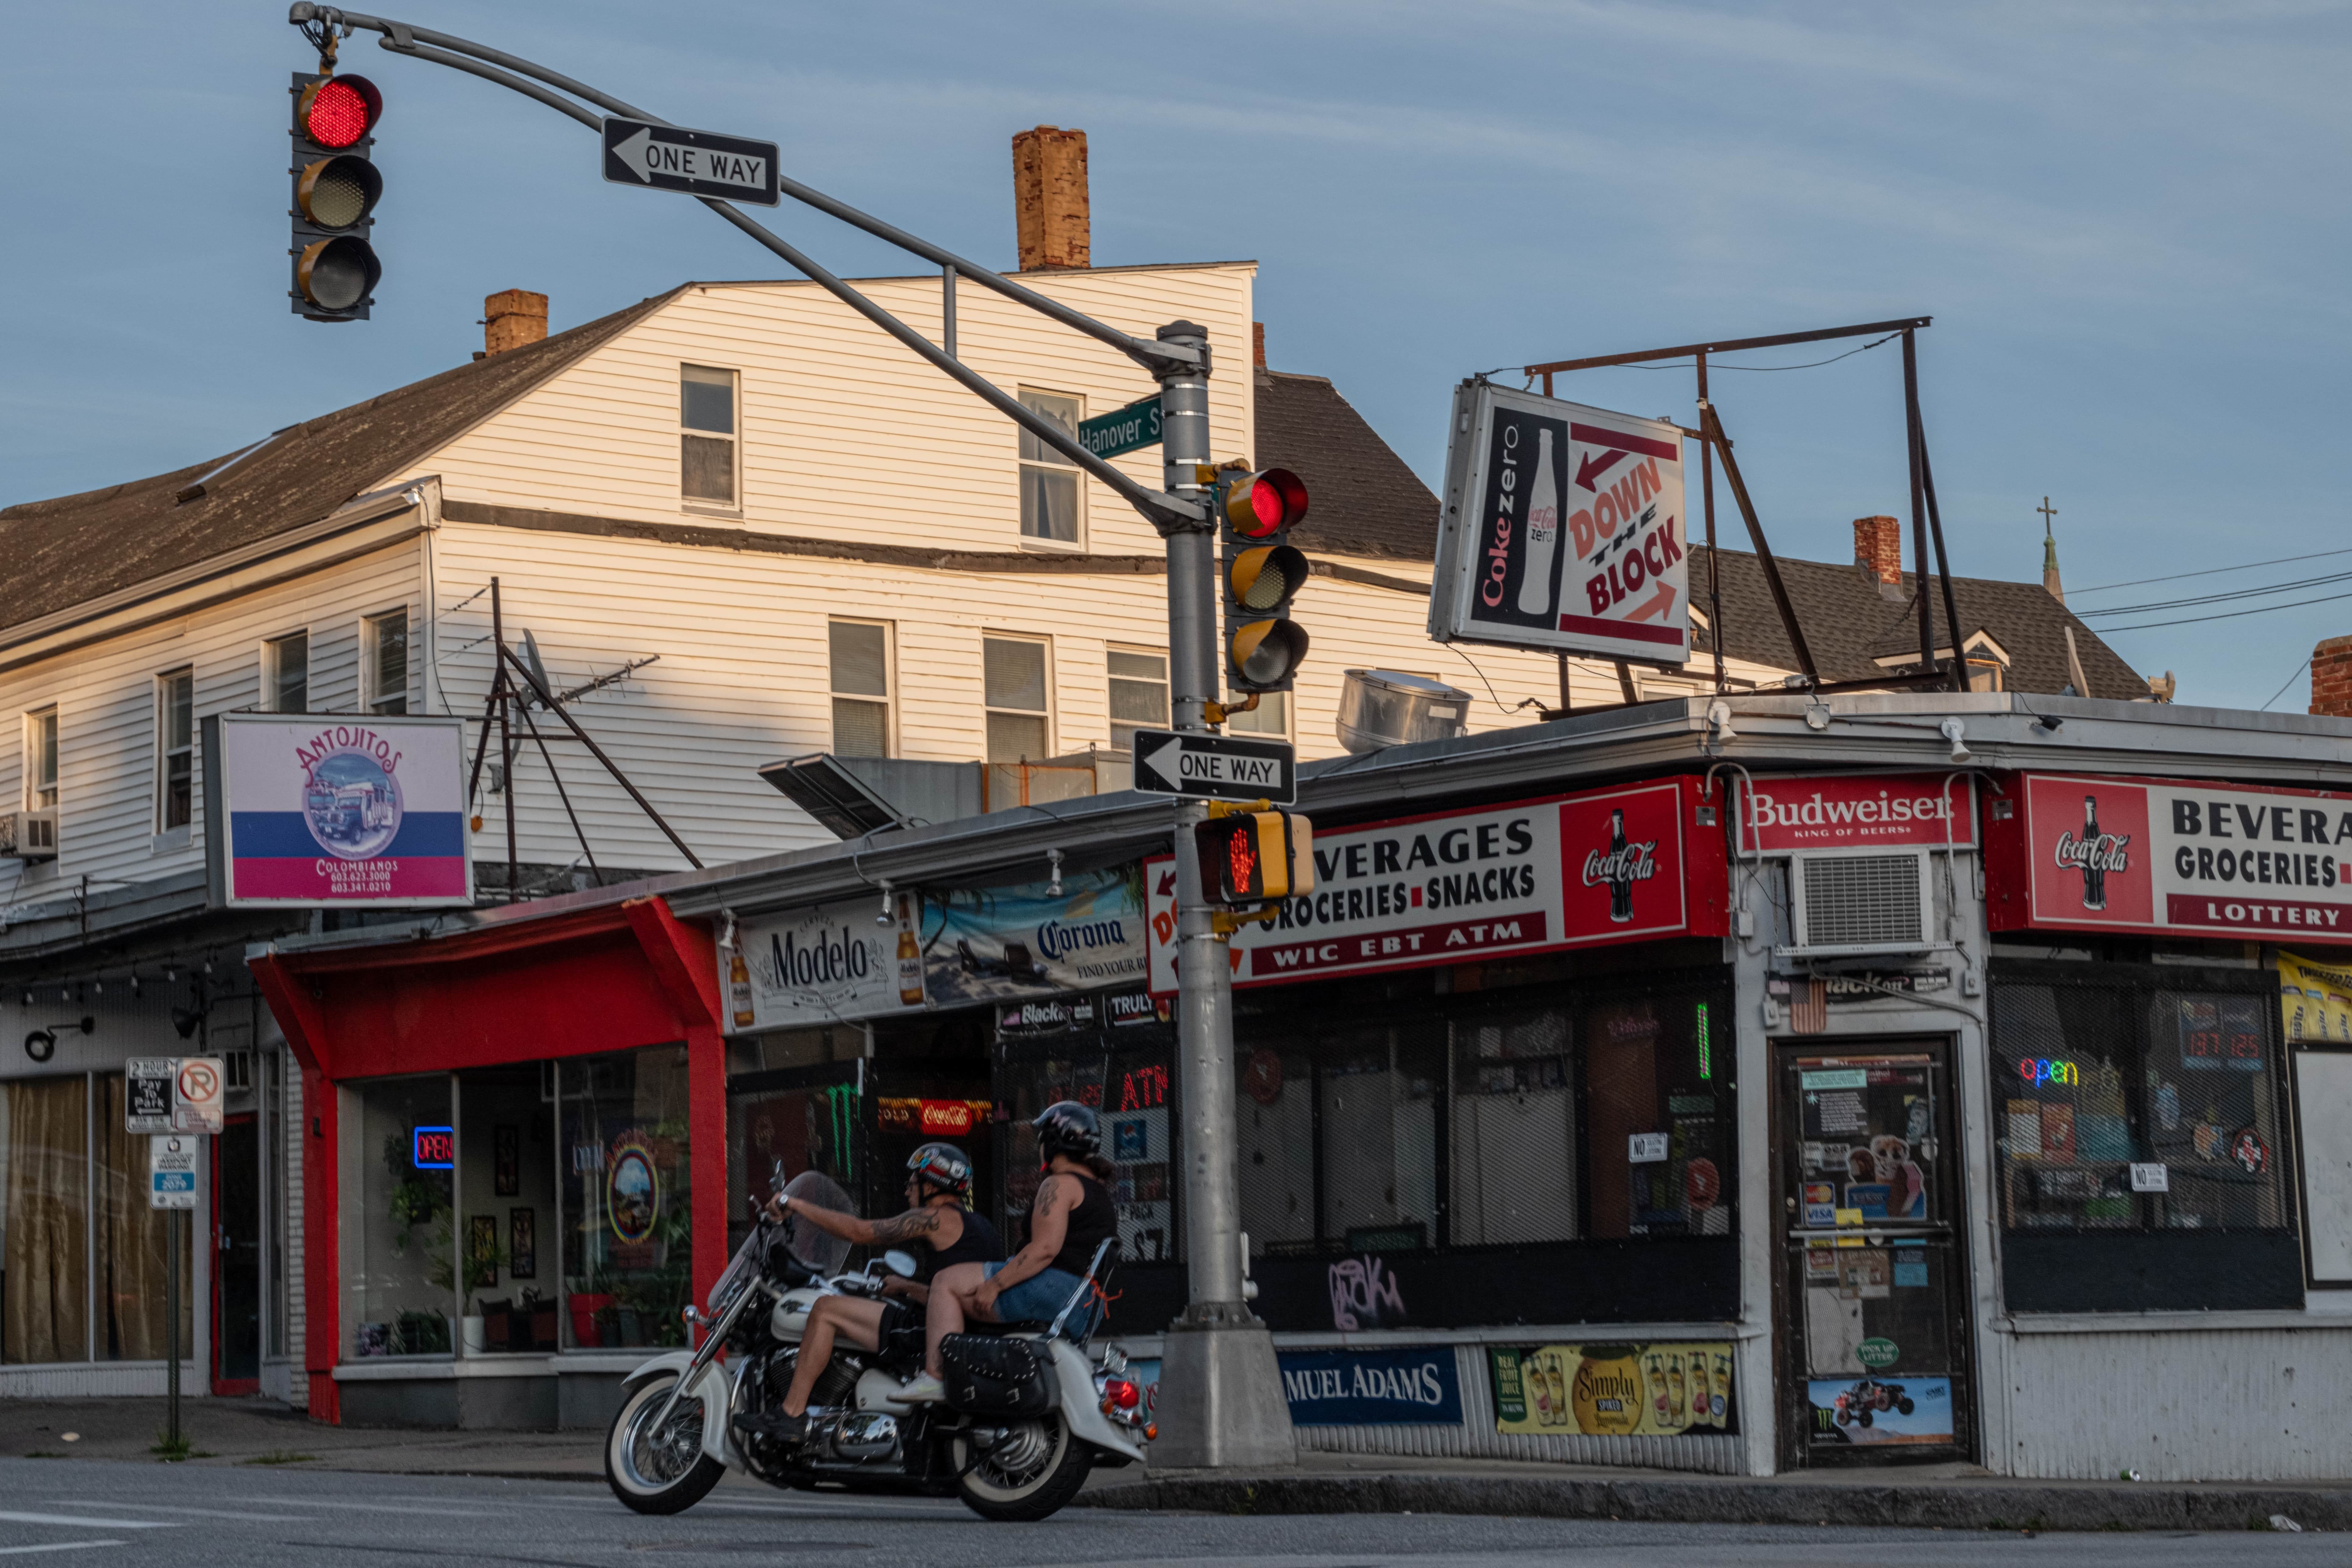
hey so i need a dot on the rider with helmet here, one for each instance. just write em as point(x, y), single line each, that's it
point(1071, 1215)
point(939, 1185)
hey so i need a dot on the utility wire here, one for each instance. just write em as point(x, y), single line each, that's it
point(2209, 571)
point(2219, 598)
point(2227, 616)
point(2284, 684)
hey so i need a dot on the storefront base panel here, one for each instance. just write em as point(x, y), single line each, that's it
point(2160, 1271)
point(587, 1400)
point(526, 1395)
point(2238, 1405)
point(85, 1380)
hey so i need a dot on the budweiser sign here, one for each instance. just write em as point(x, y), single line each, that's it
point(1857, 811)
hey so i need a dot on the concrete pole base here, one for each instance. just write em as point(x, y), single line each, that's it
point(1221, 1398)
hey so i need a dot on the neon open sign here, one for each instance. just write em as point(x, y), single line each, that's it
point(2042, 1070)
point(434, 1148)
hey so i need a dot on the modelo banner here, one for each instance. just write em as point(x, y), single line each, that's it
point(315, 811)
point(1563, 528)
point(1666, 1390)
point(2212, 859)
point(1857, 811)
point(823, 965)
point(1538, 875)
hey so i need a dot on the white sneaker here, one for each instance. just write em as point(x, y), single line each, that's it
point(925, 1390)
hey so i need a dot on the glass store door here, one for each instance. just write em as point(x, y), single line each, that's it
point(1874, 1328)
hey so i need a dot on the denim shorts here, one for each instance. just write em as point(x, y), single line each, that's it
point(1041, 1297)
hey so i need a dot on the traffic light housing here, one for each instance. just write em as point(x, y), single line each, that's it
point(1253, 856)
point(1262, 571)
point(336, 186)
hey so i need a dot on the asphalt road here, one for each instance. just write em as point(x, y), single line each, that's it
point(108, 1512)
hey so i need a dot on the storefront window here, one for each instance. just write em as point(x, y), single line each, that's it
point(627, 1204)
point(2137, 1109)
point(45, 1220)
point(1514, 1155)
point(399, 1220)
point(277, 1157)
point(1125, 1076)
point(1658, 1114)
point(506, 1190)
point(134, 1248)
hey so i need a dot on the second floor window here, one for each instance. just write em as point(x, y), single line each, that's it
point(384, 662)
point(1139, 695)
point(1049, 481)
point(175, 750)
point(706, 410)
point(41, 760)
point(286, 673)
point(861, 688)
point(1270, 717)
point(1013, 674)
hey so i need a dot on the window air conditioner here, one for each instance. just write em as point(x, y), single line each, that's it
point(29, 834)
point(1849, 903)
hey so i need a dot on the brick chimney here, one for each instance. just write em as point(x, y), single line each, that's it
point(1878, 545)
point(1049, 199)
point(2331, 678)
point(1258, 343)
point(513, 320)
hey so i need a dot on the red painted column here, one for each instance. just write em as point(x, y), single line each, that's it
point(706, 1079)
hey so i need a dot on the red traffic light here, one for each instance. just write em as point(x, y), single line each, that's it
point(1264, 502)
point(338, 111)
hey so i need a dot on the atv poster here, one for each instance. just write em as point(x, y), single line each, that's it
point(1675, 1389)
point(1563, 530)
point(1910, 1410)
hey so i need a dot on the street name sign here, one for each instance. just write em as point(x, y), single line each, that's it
point(171, 1170)
point(693, 162)
point(1128, 430)
point(1215, 767)
point(147, 1094)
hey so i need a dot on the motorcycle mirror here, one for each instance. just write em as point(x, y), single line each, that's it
point(776, 1178)
point(898, 1262)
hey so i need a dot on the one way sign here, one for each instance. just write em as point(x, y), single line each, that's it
point(697, 163)
point(1216, 767)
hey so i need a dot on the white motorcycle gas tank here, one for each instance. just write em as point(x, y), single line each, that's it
point(790, 1319)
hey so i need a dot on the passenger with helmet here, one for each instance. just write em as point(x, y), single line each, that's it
point(939, 1185)
point(1071, 1215)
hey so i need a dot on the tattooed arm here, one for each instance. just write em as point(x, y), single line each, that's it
point(915, 1225)
point(1049, 1223)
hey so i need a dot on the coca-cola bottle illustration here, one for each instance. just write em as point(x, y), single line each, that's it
point(1621, 871)
point(2095, 864)
point(1543, 533)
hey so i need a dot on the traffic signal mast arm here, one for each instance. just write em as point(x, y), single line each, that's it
point(1167, 513)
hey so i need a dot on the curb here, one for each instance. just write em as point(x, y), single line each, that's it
point(1991, 1505)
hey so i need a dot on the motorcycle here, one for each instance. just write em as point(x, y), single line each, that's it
point(1029, 1412)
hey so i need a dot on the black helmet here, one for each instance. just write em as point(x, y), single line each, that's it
point(1065, 1127)
point(942, 1165)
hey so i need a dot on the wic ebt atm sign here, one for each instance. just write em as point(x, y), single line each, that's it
point(1563, 530)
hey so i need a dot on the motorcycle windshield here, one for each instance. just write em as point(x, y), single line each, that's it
point(820, 1251)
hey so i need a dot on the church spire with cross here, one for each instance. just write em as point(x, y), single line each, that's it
point(2056, 589)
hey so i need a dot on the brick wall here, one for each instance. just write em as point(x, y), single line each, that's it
point(2331, 678)
point(1878, 544)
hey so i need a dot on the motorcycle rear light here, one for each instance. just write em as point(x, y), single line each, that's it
point(1152, 1433)
point(1124, 1394)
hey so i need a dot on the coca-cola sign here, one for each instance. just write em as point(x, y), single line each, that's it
point(2219, 859)
point(1607, 865)
point(1856, 811)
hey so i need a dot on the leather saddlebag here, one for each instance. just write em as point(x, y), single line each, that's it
point(988, 1374)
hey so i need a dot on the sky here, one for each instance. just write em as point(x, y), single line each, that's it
point(2128, 221)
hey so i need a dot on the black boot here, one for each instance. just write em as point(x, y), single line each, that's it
point(774, 1424)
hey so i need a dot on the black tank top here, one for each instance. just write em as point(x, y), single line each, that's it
point(1092, 1223)
point(978, 1244)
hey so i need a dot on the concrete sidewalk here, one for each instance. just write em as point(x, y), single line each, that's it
point(263, 1432)
point(1951, 1497)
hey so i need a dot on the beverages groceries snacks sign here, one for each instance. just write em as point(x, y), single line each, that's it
point(2211, 860)
point(317, 811)
point(1563, 530)
point(1538, 875)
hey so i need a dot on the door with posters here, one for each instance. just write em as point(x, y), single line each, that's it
point(1873, 1320)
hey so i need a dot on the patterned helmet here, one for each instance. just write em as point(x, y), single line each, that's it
point(1065, 1127)
point(943, 1167)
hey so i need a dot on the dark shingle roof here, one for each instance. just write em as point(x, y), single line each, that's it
point(1362, 498)
point(1850, 625)
point(58, 554)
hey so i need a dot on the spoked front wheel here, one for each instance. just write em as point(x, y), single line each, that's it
point(657, 1466)
point(1021, 1472)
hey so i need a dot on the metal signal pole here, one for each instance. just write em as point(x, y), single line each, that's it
point(1220, 1386)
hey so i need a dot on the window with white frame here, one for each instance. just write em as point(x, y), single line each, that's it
point(1270, 717)
point(175, 750)
point(1012, 674)
point(1138, 694)
point(384, 662)
point(41, 760)
point(707, 469)
point(1050, 492)
point(286, 673)
point(860, 653)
